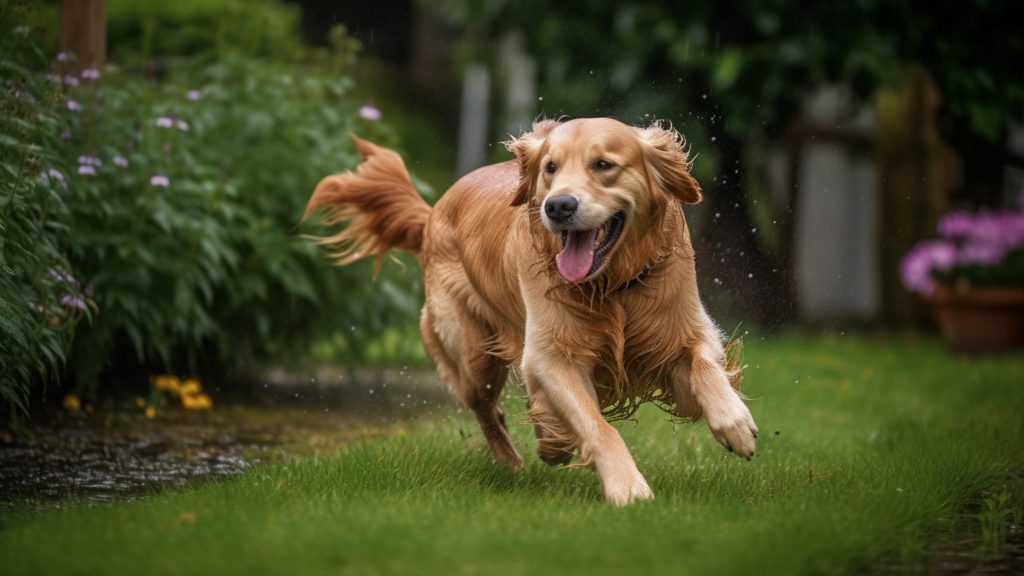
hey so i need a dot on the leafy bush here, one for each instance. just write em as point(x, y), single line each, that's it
point(40, 300)
point(187, 231)
point(177, 209)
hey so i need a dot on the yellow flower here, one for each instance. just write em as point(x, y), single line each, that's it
point(150, 412)
point(167, 382)
point(72, 402)
point(197, 401)
point(190, 387)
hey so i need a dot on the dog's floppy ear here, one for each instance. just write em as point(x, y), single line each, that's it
point(667, 163)
point(527, 148)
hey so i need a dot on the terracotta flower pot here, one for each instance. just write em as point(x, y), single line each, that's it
point(978, 320)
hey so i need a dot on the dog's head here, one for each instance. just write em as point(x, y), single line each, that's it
point(598, 184)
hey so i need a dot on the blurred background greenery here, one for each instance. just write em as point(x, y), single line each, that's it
point(150, 208)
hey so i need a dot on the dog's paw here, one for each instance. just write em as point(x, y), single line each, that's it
point(628, 489)
point(734, 427)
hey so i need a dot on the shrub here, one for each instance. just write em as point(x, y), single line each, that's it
point(177, 209)
point(190, 243)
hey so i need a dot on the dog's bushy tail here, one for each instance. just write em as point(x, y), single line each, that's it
point(378, 202)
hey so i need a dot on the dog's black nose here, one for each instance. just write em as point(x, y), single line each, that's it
point(560, 208)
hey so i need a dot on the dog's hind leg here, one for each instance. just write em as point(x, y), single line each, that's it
point(475, 378)
point(555, 442)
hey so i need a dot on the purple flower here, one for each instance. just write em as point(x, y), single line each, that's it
point(181, 125)
point(917, 266)
point(52, 175)
point(370, 112)
point(72, 302)
point(55, 175)
point(90, 74)
point(62, 56)
point(70, 80)
point(160, 181)
point(121, 161)
point(194, 95)
point(90, 161)
point(74, 106)
point(87, 170)
point(956, 225)
point(63, 277)
point(981, 253)
point(165, 122)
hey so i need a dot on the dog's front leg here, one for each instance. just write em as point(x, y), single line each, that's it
point(702, 380)
point(571, 396)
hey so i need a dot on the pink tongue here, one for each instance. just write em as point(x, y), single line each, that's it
point(575, 259)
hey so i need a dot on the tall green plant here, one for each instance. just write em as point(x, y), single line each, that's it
point(186, 216)
point(40, 299)
point(165, 207)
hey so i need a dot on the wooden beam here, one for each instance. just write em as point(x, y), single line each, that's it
point(83, 33)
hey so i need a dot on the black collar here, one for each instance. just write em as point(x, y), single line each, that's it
point(639, 278)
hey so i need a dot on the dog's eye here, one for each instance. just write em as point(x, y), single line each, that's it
point(602, 164)
point(551, 167)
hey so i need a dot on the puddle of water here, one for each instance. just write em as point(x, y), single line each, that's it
point(964, 557)
point(122, 454)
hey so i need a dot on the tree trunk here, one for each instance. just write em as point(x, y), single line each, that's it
point(83, 33)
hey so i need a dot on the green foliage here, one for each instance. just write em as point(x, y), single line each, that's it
point(166, 207)
point(263, 28)
point(138, 31)
point(746, 66)
point(191, 243)
point(40, 299)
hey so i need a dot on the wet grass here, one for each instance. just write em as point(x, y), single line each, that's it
point(873, 449)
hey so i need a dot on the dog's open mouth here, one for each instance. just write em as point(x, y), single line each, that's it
point(584, 251)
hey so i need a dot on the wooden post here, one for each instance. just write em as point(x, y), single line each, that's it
point(83, 33)
point(915, 169)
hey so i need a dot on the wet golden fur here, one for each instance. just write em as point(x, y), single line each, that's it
point(633, 331)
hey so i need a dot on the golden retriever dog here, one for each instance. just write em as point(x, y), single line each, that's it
point(573, 265)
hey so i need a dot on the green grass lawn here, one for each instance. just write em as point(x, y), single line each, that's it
point(871, 450)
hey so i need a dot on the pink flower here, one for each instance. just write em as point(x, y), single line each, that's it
point(90, 74)
point(87, 170)
point(62, 57)
point(74, 106)
point(182, 125)
point(70, 80)
point(160, 181)
point(370, 112)
point(121, 161)
point(165, 122)
point(194, 95)
point(917, 266)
